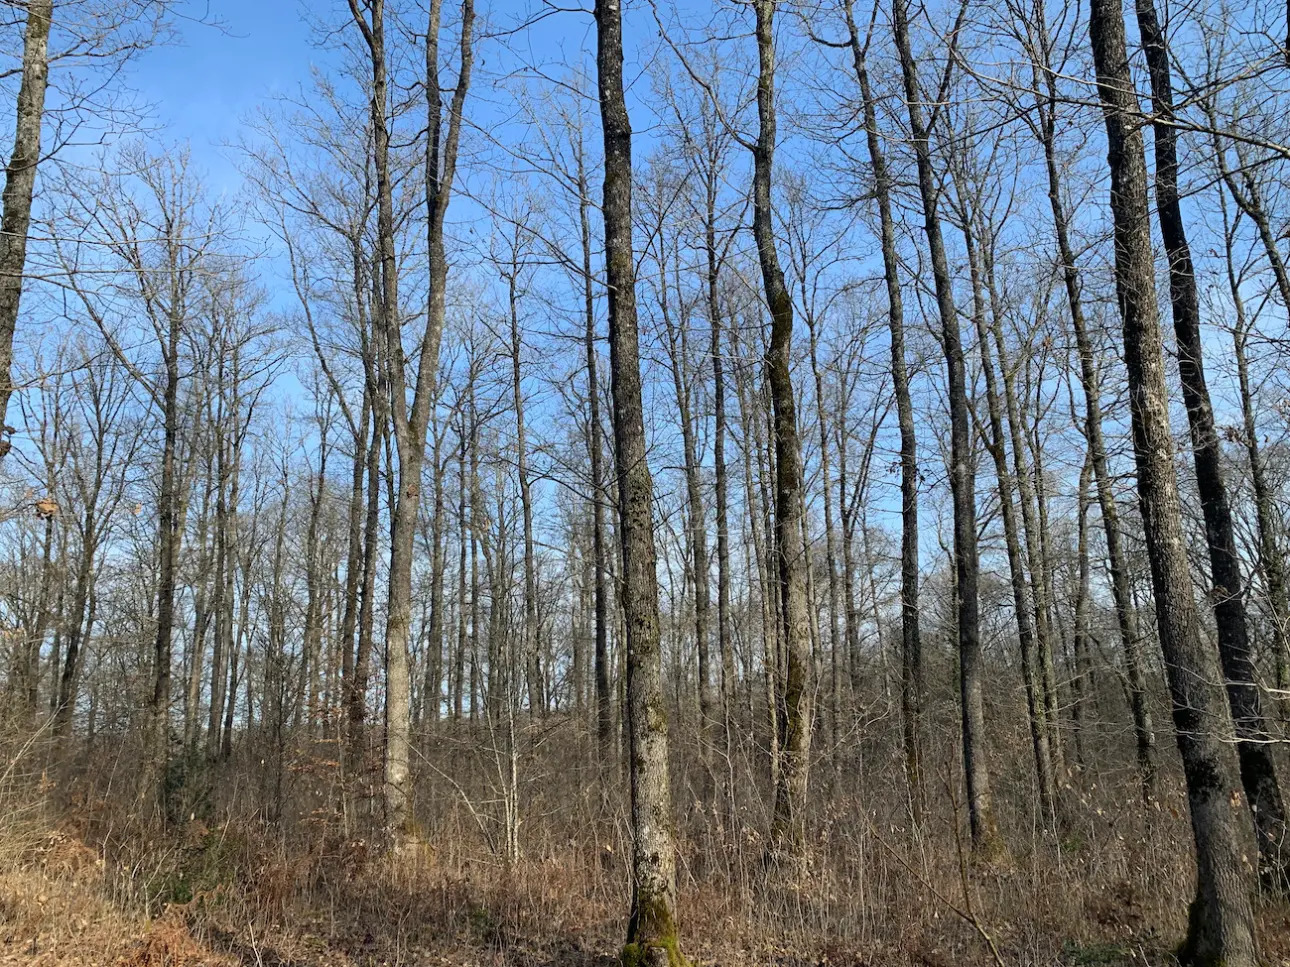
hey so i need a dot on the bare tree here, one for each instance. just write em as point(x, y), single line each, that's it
point(652, 932)
point(410, 424)
point(985, 836)
point(159, 239)
point(787, 830)
point(1221, 924)
point(20, 182)
point(911, 640)
point(1257, 769)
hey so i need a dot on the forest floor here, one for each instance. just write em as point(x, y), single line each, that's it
point(64, 904)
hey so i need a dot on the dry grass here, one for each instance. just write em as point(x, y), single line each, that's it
point(297, 881)
point(56, 913)
point(65, 905)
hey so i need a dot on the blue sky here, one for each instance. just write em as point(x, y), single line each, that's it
point(206, 84)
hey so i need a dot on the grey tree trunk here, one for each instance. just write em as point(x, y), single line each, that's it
point(432, 689)
point(19, 185)
point(985, 835)
point(604, 695)
point(168, 537)
point(787, 832)
point(1254, 751)
point(911, 662)
point(409, 425)
point(1021, 590)
point(652, 931)
point(1029, 486)
point(529, 640)
point(720, 484)
point(1267, 517)
point(1081, 680)
point(696, 521)
point(1221, 922)
point(463, 491)
point(1046, 101)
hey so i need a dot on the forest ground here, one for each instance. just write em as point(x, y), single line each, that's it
point(60, 907)
point(87, 878)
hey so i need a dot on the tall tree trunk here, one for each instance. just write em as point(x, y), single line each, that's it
point(1046, 101)
point(82, 621)
point(19, 185)
point(1081, 680)
point(215, 710)
point(604, 694)
point(695, 522)
point(1027, 474)
point(388, 325)
point(836, 643)
point(356, 692)
point(409, 425)
point(755, 501)
point(911, 691)
point(224, 690)
point(1022, 601)
point(27, 676)
point(985, 834)
point(1258, 771)
point(1267, 515)
point(463, 545)
point(652, 931)
point(168, 536)
point(851, 608)
point(720, 484)
point(432, 690)
point(201, 622)
point(478, 534)
point(1221, 922)
point(758, 506)
point(787, 832)
point(1043, 567)
point(313, 624)
point(529, 642)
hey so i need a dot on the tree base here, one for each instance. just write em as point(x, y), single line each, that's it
point(660, 953)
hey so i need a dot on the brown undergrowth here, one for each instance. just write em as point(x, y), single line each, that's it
point(93, 878)
point(228, 895)
point(56, 912)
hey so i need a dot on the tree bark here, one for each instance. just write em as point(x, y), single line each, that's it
point(1221, 922)
point(1046, 101)
point(529, 642)
point(19, 185)
point(695, 522)
point(787, 831)
point(409, 425)
point(168, 537)
point(985, 834)
point(1254, 751)
point(432, 688)
point(1267, 516)
point(652, 931)
point(911, 662)
point(604, 693)
point(1037, 715)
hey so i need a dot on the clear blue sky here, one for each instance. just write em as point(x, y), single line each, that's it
point(205, 85)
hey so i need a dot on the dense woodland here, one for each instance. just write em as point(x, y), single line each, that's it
point(757, 482)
